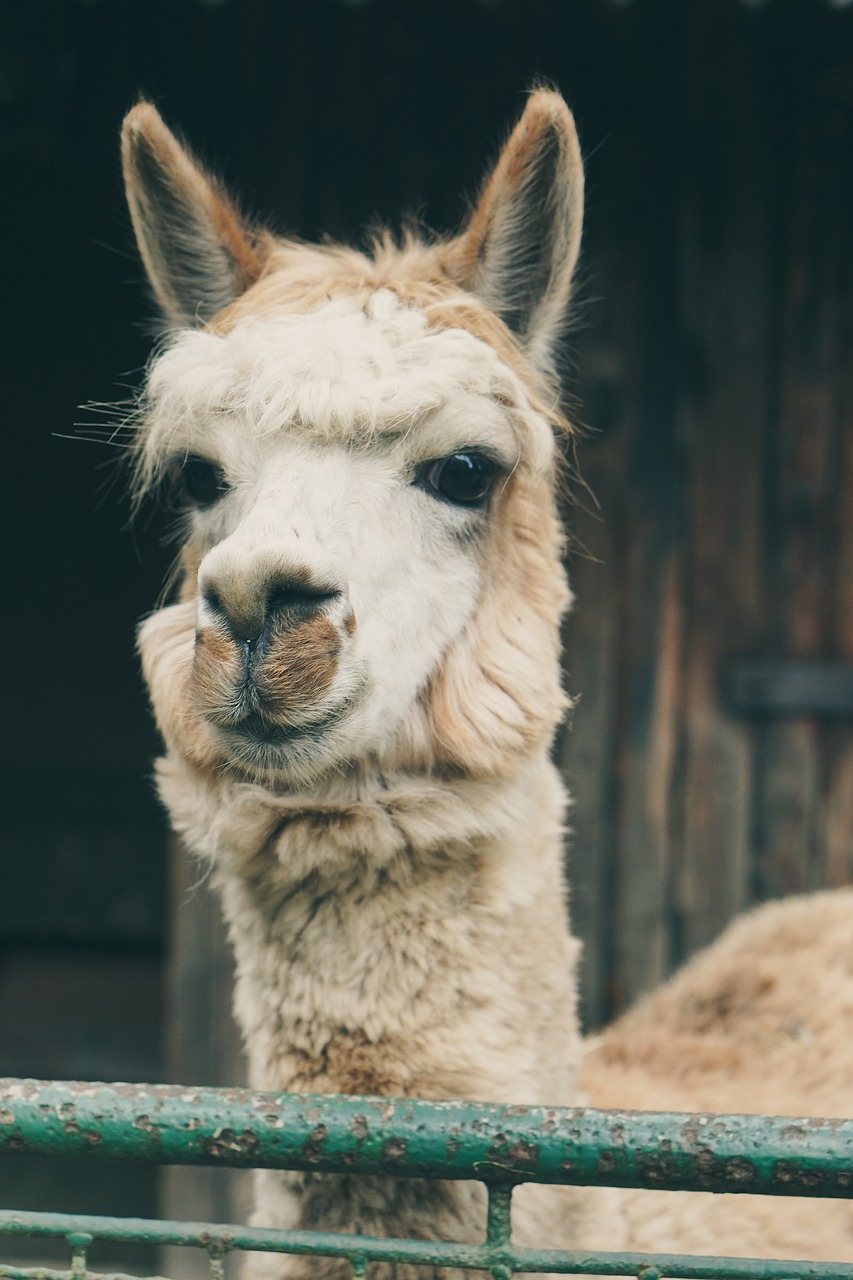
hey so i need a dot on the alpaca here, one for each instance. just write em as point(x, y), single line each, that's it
point(359, 681)
point(755, 1023)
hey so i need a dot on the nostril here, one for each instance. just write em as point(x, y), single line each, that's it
point(248, 608)
point(299, 599)
point(245, 623)
point(210, 596)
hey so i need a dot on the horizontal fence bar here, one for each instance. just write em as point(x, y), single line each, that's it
point(170, 1124)
point(220, 1237)
point(53, 1273)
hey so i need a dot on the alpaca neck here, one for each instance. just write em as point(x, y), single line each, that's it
point(396, 936)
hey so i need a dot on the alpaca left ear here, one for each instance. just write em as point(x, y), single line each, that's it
point(198, 251)
point(519, 250)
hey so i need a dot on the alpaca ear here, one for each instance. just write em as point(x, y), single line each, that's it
point(198, 252)
point(520, 247)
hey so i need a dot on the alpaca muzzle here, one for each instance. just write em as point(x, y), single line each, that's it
point(265, 650)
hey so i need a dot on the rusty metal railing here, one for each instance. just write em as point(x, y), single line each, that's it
point(500, 1146)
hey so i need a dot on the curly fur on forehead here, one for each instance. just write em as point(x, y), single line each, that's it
point(421, 273)
point(345, 373)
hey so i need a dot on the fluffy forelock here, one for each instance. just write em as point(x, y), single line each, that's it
point(348, 371)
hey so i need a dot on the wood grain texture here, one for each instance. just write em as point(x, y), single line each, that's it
point(725, 304)
point(728, 352)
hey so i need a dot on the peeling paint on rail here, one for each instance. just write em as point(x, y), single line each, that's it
point(170, 1124)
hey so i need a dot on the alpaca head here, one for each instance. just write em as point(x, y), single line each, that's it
point(364, 448)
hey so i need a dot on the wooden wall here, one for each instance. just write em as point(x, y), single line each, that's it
point(719, 392)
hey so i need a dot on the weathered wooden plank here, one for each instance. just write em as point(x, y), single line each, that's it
point(837, 815)
point(652, 526)
point(588, 744)
point(798, 755)
point(726, 299)
point(622, 643)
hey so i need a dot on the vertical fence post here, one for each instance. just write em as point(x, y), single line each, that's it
point(499, 1227)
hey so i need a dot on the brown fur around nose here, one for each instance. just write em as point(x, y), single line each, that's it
point(295, 671)
point(216, 669)
point(299, 666)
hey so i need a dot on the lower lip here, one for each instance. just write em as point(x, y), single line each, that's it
point(256, 731)
point(273, 750)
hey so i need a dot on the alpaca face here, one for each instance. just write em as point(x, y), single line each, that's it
point(342, 473)
point(365, 449)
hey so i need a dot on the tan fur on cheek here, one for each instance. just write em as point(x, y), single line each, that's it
point(497, 694)
point(300, 666)
point(166, 644)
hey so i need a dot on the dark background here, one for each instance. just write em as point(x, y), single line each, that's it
point(712, 357)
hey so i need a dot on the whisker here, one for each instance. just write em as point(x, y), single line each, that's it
point(93, 439)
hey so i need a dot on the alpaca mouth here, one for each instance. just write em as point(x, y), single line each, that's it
point(257, 728)
point(258, 742)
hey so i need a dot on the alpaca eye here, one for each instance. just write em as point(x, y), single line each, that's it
point(203, 482)
point(465, 478)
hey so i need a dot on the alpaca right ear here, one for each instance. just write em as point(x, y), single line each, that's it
point(520, 248)
point(198, 252)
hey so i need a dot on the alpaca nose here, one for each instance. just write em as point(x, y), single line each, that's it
point(282, 603)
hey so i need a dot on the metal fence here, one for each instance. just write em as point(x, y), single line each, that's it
point(500, 1146)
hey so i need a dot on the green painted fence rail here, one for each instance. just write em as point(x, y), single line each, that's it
point(404, 1137)
point(498, 1145)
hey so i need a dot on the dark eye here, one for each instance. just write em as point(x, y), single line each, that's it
point(466, 478)
point(203, 482)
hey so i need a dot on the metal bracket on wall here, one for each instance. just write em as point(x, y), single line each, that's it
point(775, 687)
